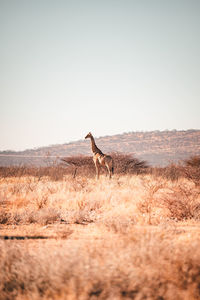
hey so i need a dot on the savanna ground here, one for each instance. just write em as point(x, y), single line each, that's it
point(65, 235)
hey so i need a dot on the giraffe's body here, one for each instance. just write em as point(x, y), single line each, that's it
point(99, 158)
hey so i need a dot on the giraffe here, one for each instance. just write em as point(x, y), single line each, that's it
point(99, 158)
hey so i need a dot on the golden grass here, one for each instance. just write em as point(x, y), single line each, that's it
point(132, 237)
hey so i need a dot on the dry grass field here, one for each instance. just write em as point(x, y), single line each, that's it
point(136, 236)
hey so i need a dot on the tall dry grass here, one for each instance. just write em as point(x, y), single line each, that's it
point(140, 264)
point(135, 236)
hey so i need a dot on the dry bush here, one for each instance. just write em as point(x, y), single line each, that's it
point(120, 225)
point(81, 165)
point(4, 217)
point(127, 164)
point(171, 172)
point(189, 168)
point(55, 172)
point(10, 218)
point(17, 171)
point(43, 216)
point(192, 169)
point(149, 202)
point(193, 161)
point(183, 202)
point(193, 174)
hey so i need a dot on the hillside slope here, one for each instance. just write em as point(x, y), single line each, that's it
point(156, 147)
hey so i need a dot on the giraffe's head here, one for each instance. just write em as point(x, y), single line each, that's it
point(89, 135)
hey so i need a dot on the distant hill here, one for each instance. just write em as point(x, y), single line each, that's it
point(156, 147)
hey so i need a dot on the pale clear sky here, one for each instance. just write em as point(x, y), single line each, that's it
point(111, 66)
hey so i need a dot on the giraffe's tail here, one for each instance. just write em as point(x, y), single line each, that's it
point(113, 170)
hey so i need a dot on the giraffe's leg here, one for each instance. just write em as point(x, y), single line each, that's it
point(97, 166)
point(109, 170)
point(97, 171)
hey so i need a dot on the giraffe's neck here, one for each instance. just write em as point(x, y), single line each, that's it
point(95, 149)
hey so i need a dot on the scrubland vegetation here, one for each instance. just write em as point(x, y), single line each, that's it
point(65, 235)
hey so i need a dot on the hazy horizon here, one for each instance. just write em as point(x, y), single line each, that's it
point(70, 67)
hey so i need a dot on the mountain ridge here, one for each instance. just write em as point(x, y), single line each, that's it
point(158, 148)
